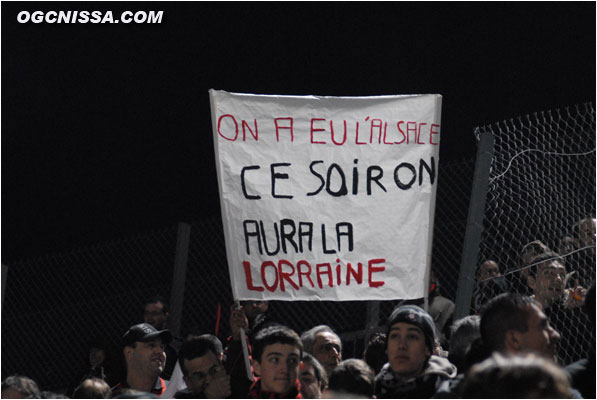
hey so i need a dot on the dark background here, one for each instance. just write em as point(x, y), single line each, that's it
point(106, 129)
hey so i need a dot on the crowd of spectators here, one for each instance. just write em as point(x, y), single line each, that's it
point(519, 344)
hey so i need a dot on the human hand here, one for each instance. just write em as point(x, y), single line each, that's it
point(238, 319)
point(576, 297)
point(219, 386)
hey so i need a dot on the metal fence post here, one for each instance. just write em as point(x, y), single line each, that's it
point(372, 317)
point(474, 226)
point(4, 274)
point(179, 277)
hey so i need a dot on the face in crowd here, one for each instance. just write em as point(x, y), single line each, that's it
point(146, 358)
point(548, 284)
point(206, 374)
point(310, 385)
point(254, 307)
point(539, 338)
point(488, 270)
point(407, 351)
point(586, 233)
point(278, 368)
point(97, 356)
point(154, 314)
point(327, 349)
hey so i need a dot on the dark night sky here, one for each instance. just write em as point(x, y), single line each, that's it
point(106, 129)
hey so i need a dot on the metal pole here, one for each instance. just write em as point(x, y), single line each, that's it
point(474, 227)
point(4, 274)
point(179, 277)
point(372, 319)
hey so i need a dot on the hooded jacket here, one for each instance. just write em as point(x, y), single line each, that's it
point(437, 371)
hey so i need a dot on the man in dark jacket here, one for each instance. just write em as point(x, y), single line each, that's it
point(412, 370)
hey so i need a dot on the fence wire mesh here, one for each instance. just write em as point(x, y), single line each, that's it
point(54, 305)
point(541, 199)
point(542, 184)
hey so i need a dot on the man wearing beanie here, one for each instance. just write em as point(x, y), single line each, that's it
point(412, 370)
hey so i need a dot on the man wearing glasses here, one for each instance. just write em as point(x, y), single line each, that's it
point(203, 372)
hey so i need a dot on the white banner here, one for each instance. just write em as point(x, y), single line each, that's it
point(327, 198)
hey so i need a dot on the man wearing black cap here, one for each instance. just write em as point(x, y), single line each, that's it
point(145, 359)
point(412, 370)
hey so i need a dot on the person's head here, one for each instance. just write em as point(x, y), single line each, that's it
point(201, 361)
point(254, 307)
point(487, 270)
point(92, 388)
point(19, 387)
point(584, 232)
point(277, 354)
point(155, 312)
point(567, 245)
point(546, 279)
point(375, 351)
point(129, 393)
point(513, 323)
point(352, 378)
point(47, 394)
point(530, 251)
point(527, 376)
point(325, 345)
point(144, 350)
point(98, 349)
point(410, 340)
point(312, 377)
point(192, 333)
point(527, 253)
point(463, 332)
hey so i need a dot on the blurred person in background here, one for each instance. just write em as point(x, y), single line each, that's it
point(520, 376)
point(92, 388)
point(375, 352)
point(20, 387)
point(490, 283)
point(351, 379)
point(312, 377)
point(519, 277)
point(464, 332)
point(441, 309)
point(156, 314)
point(325, 345)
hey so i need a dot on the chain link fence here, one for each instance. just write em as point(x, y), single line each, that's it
point(541, 184)
point(54, 305)
point(541, 200)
